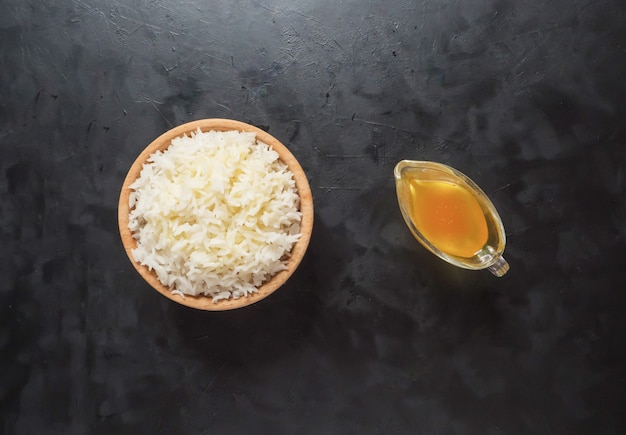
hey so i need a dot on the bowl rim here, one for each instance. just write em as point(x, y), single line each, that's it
point(203, 302)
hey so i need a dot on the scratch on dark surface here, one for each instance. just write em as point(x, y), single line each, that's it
point(288, 52)
point(533, 51)
point(169, 69)
point(346, 156)
point(534, 32)
point(516, 232)
point(377, 144)
point(208, 386)
point(441, 145)
point(148, 100)
point(586, 5)
point(137, 29)
point(86, 6)
point(381, 124)
point(327, 95)
point(162, 115)
point(154, 104)
point(142, 24)
point(223, 106)
point(225, 62)
point(502, 187)
point(502, 43)
point(306, 17)
point(314, 34)
point(330, 188)
point(267, 8)
point(522, 35)
point(493, 17)
point(96, 11)
point(442, 142)
point(25, 49)
point(286, 35)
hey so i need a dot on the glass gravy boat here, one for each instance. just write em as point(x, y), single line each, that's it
point(451, 216)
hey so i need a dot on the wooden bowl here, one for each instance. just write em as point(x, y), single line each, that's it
point(298, 250)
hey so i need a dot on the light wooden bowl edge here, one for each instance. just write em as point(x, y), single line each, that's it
point(306, 207)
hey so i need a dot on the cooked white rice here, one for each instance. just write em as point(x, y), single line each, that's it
point(216, 213)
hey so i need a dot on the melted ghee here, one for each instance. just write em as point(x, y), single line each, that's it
point(449, 216)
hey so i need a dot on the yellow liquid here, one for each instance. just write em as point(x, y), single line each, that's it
point(448, 216)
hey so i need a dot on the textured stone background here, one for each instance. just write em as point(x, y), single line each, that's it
point(372, 334)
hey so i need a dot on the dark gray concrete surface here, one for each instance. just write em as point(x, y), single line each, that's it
point(372, 335)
